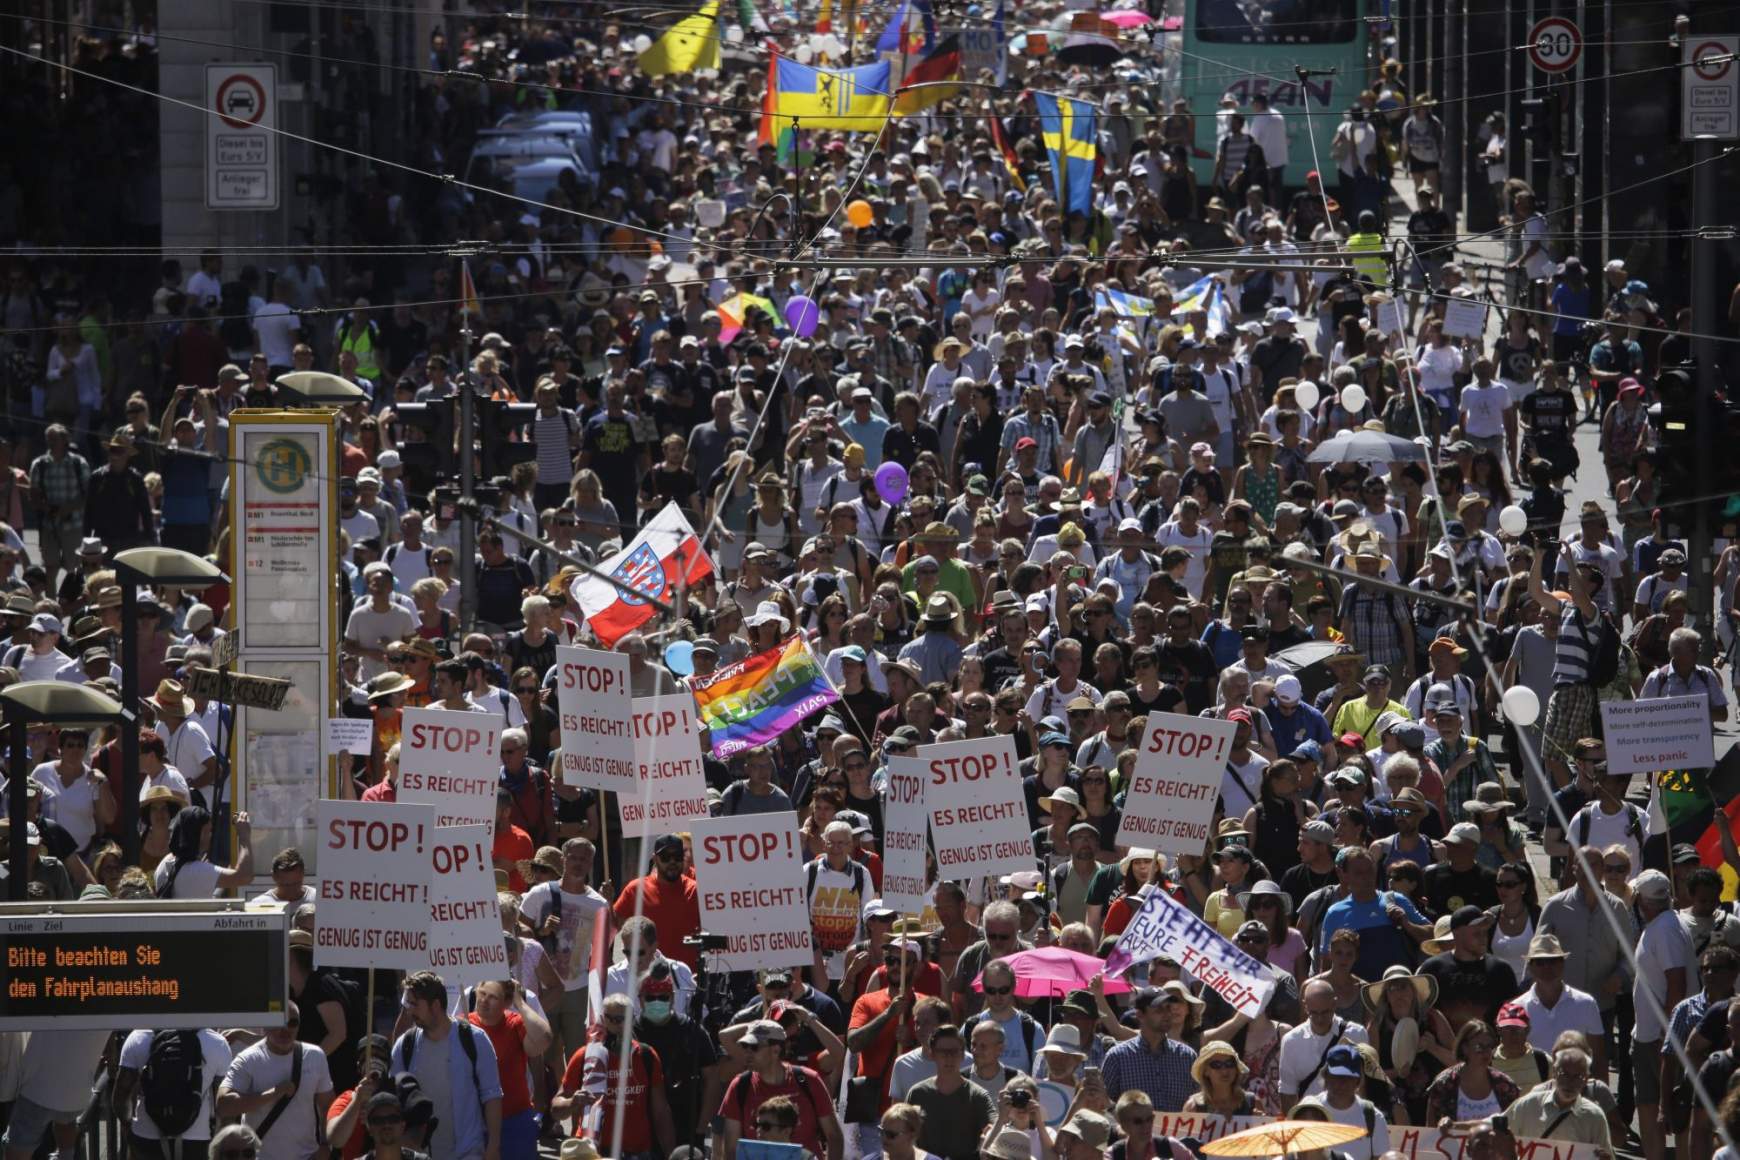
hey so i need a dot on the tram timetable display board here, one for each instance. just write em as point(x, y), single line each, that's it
point(133, 968)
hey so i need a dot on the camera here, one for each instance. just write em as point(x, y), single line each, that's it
point(708, 942)
point(1020, 1098)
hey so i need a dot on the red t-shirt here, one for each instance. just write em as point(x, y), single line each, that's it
point(381, 791)
point(509, 1040)
point(514, 845)
point(359, 1136)
point(746, 1093)
point(637, 1134)
point(927, 980)
point(873, 863)
point(675, 909)
point(878, 1058)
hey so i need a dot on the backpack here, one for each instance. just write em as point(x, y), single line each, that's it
point(392, 553)
point(172, 1082)
point(860, 877)
point(465, 1031)
point(1604, 657)
point(1031, 1035)
point(283, 1101)
point(739, 1093)
point(1633, 825)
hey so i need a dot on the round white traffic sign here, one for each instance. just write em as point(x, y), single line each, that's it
point(1712, 51)
point(1555, 44)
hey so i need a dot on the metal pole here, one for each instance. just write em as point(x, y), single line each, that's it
point(467, 480)
point(125, 787)
point(1709, 379)
point(1455, 137)
point(18, 807)
point(618, 583)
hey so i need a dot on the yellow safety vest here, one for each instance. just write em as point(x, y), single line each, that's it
point(359, 339)
point(1372, 268)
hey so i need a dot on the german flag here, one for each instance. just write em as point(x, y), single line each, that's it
point(1011, 160)
point(1693, 806)
point(942, 63)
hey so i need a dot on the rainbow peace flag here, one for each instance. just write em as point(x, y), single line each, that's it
point(758, 698)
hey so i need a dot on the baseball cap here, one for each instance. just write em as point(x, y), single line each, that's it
point(1318, 831)
point(1343, 1060)
point(1513, 1015)
point(1288, 689)
point(1463, 834)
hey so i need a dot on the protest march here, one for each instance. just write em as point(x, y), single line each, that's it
point(804, 580)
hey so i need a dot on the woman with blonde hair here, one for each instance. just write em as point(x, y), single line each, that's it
point(1471, 1089)
point(1349, 988)
point(433, 621)
point(1220, 1082)
point(599, 519)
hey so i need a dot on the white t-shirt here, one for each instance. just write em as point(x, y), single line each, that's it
point(1664, 945)
point(189, 748)
point(574, 938)
point(169, 776)
point(1370, 1147)
point(372, 629)
point(1233, 790)
point(276, 324)
point(836, 906)
point(196, 880)
point(136, 1051)
point(73, 806)
point(1485, 406)
point(1171, 535)
point(1301, 1049)
point(1575, 1011)
point(1607, 829)
point(295, 1134)
point(56, 1070)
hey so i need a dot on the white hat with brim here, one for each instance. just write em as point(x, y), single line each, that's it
point(767, 612)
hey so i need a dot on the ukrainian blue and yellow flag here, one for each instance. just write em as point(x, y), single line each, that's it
point(1071, 132)
point(852, 99)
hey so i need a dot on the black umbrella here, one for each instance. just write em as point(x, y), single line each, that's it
point(1308, 664)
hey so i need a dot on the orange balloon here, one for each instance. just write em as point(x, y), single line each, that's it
point(860, 214)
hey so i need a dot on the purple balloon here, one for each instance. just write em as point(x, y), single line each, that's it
point(891, 482)
point(802, 314)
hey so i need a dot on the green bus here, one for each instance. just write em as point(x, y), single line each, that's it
point(1239, 48)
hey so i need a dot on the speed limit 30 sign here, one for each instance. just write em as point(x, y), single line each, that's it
point(1555, 44)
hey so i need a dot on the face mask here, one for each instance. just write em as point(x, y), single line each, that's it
point(657, 1010)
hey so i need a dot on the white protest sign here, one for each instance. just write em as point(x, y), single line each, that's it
point(1176, 783)
point(905, 823)
point(1164, 927)
point(1658, 733)
point(374, 885)
point(1432, 1144)
point(451, 761)
point(352, 735)
point(1203, 1125)
point(750, 871)
point(1391, 319)
point(670, 788)
point(592, 701)
point(978, 812)
point(1464, 318)
point(466, 944)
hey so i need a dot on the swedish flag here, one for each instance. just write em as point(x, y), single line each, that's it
point(854, 99)
point(1071, 132)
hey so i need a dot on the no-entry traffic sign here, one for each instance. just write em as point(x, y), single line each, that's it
point(241, 147)
point(1555, 44)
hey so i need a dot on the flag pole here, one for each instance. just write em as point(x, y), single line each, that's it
point(467, 467)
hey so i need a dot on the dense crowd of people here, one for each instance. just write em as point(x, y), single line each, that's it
point(1294, 503)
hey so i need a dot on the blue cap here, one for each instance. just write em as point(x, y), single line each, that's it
point(1343, 1059)
point(1054, 739)
point(852, 652)
point(1053, 724)
point(1307, 750)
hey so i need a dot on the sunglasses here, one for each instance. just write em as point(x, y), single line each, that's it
point(998, 990)
point(1221, 1064)
point(767, 1126)
point(526, 691)
point(1618, 867)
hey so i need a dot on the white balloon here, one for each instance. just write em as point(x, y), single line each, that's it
point(1353, 398)
point(642, 42)
point(804, 53)
point(1513, 521)
point(1521, 706)
point(733, 34)
point(1307, 395)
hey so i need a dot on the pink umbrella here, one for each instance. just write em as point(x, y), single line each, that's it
point(1052, 972)
point(1126, 18)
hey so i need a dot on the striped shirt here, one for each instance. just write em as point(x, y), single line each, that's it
point(1574, 651)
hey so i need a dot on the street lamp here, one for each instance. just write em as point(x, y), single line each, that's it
point(57, 703)
point(136, 566)
point(319, 389)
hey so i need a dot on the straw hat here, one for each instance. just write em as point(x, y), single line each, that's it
point(171, 698)
point(1213, 1050)
point(1425, 987)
